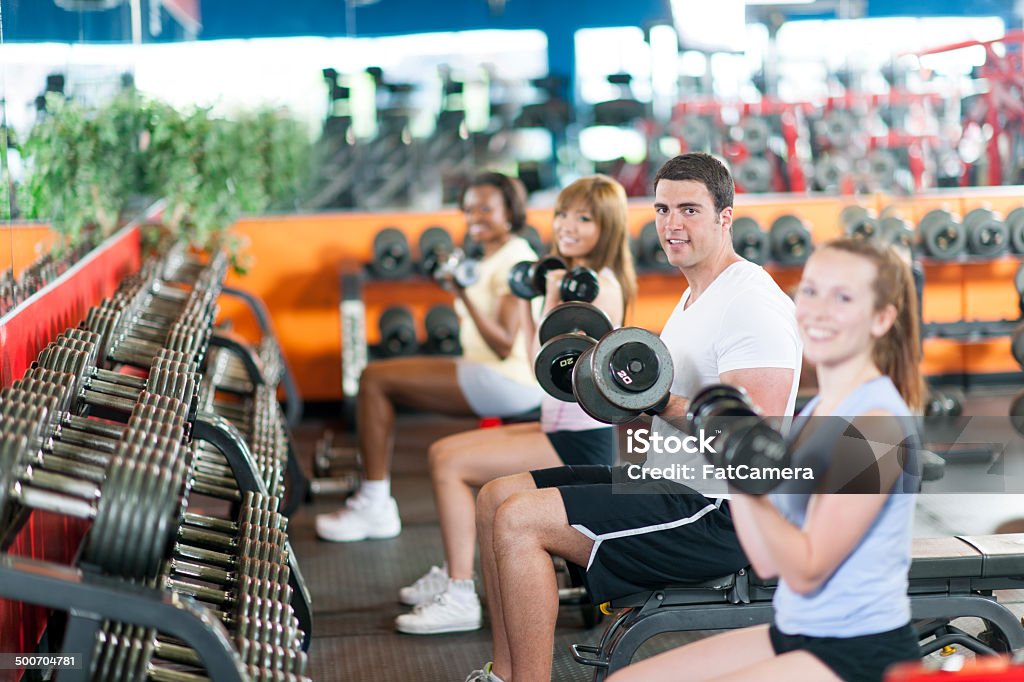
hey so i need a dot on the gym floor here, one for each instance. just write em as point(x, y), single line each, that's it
point(354, 587)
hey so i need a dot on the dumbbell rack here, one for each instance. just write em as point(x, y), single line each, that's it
point(80, 590)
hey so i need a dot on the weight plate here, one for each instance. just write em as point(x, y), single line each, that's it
point(589, 398)
point(708, 395)
point(574, 317)
point(554, 364)
point(749, 240)
point(435, 245)
point(1015, 226)
point(754, 174)
point(391, 257)
point(654, 368)
point(790, 240)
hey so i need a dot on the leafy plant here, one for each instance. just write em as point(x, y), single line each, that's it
point(86, 163)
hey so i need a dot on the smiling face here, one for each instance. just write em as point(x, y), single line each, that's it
point(576, 231)
point(689, 228)
point(835, 308)
point(487, 220)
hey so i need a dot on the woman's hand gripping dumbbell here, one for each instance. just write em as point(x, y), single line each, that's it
point(529, 280)
point(629, 372)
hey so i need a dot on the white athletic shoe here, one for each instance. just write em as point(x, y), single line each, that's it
point(360, 519)
point(446, 613)
point(483, 675)
point(423, 591)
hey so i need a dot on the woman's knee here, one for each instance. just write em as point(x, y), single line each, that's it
point(444, 457)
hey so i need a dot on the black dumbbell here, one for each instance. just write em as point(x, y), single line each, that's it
point(756, 132)
point(1017, 342)
point(397, 332)
point(943, 404)
point(987, 234)
point(942, 236)
point(391, 256)
point(1015, 227)
point(435, 246)
point(442, 331)
point(564, 333)
point(749, 240)
point(858, 222)
point(627, 373)
point(649, 253)
point(529, 280)
point(896, 231)
point(749, 450)
point(754, 174)
point(790, 240)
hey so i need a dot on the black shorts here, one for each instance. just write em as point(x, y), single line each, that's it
point(854, 659)
point(659, 533)
point(593, 446)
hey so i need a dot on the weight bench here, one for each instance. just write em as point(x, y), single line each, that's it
point(950, 578)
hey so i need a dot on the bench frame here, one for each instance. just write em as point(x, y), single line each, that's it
point(741, 600)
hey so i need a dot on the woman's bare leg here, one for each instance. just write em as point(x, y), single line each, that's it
point(465, 461)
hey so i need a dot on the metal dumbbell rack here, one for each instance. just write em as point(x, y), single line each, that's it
point(132, 473)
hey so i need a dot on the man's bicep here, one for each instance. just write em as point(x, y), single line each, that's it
point(769, 387)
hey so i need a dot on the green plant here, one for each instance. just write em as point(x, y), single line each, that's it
point(86, 162)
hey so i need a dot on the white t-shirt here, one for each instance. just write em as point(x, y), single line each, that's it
point(486, 295)
point(742, 321)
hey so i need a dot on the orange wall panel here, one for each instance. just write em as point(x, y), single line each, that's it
point(21, 244)
point(295, 269)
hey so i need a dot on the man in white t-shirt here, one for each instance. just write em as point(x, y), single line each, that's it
point(733, 325)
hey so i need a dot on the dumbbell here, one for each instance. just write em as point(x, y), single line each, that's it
point(1017, 340)
point(464, 271)
point(134, 512)
point(882, 166)
point(442, 331)
point(565, 333)
point(749, 240)
point(743, 439)
point(829, 172)
point(942, 236)
point(858, 222)
point(630, 372)
point(397, 332)
point(171, 375)
point(790, 240)
point(391, 256)
point(126, 653)
point(627, 373)
point(943, 404)
point(84, 448)
point(1015, 228)
point(528, 280)
point(648, 249)
point(754, 174)
point(896, 231)
point(987, 234)
point(755, 132)
point(435, 246)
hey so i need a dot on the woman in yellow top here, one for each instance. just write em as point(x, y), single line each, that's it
point(493, 376)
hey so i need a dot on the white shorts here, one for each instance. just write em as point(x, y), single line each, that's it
point(492, 394)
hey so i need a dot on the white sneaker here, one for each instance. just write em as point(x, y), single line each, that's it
point(423, 591)
point(483, 675)
point(446, 613)
point(360, 519)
